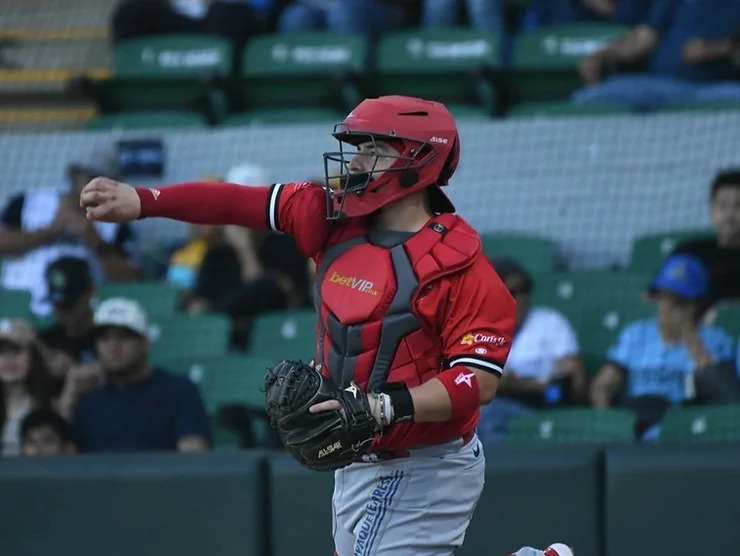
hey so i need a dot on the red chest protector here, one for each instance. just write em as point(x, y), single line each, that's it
point(365, 296)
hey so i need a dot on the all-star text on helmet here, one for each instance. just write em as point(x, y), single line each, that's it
point(422, 133)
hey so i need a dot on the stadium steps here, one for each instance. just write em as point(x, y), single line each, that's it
point(45, 118)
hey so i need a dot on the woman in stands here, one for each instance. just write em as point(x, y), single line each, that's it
point(25, 381)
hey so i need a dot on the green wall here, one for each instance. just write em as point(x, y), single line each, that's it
point(617, 501)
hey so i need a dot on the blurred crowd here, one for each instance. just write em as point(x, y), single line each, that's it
point(674, 51)
point(83, 381)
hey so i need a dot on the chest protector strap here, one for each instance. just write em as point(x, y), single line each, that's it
point(444, 246)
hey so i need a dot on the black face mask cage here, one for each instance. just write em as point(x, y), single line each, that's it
point(343, 181)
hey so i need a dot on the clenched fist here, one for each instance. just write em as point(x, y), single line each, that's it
point(107, 200)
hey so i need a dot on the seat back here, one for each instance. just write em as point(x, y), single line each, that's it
point(447, 65)
point(545, 61)
point(581, 426)
point(307, 70)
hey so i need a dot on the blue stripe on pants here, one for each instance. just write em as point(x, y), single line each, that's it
point(375, 512)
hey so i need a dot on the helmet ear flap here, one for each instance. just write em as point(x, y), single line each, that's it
point(450, 164)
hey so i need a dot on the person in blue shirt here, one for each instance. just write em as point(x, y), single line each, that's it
point(666, 357)
point(137, 408)
point(683, 54)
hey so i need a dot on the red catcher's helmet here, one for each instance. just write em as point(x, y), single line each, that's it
point(425, 134)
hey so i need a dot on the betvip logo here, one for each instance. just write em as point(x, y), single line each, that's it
point(359, 284)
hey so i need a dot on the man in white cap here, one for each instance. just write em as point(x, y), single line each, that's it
point(139, 408)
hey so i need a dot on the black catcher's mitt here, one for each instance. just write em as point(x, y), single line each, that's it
point(320, 441)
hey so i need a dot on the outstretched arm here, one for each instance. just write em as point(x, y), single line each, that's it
point(199, 203)
point(297, 209)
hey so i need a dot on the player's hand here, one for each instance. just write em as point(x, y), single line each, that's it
point(107, 200)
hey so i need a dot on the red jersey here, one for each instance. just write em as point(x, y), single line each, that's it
point(470, 313)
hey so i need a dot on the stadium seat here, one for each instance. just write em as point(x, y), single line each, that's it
point(287, 334)
point(147, 120)
point(159, 299)
point(649, 250)
point(231, 380)
point(315, 74)
point(590, 289)
point(701, 424)
point(450, 65)
point(569, 426)
point(598, 304)
point(550, 109)
point(536, 254)
point(169, 72)
point(189, 336)
point(15, 304)
point(545, 61)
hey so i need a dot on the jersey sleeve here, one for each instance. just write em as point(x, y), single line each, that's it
point(299, 210)
point(479, 320)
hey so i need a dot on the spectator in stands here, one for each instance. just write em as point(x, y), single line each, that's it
point(138, 408)
point(553, 12)
point(351, 17)
point(676, 69)
point(38, 227)
point(544, 368)
point(248, 272)
point(721, 254)
point(25, 382)
point(486, 15)
point(45, 433)
point(69, 340)
point(236, 20)
point(668, 360)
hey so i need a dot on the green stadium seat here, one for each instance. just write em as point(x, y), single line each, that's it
point(449, 65)
point(159, 299)
point(306, 71)
point(231, 380)
point(148, 120)
point(701, 424)
point(536, 254)
point(650, 250)
point(590, 289)
point(545, 61)
point(550, 109)
point(189, 336)
point(598, 304)
point(168, 72)
point(573, 426)
point(283, 335)
point(15, 304)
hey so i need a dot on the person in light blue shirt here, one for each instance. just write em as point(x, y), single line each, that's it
point(665, 358)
